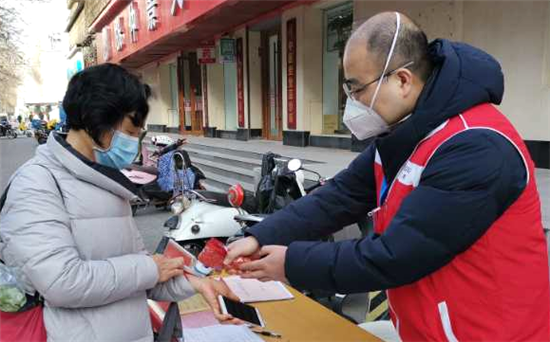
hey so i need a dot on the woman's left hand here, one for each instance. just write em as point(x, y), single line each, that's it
point(210, 290)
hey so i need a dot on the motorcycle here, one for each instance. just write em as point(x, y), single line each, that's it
point(41, 131)
point(198, 215)
point(6, 130)
point(280, 186)
point(151, 173)
point(201, 215)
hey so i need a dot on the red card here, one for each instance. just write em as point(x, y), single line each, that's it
point(213, 254)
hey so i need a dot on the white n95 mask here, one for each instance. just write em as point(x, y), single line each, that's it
point(363, 121)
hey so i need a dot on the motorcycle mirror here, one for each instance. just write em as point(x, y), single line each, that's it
point(235, 196)
point(294, 165)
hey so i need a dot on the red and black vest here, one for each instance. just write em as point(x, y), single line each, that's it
point(498, 289)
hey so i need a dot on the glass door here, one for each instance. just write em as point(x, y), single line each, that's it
point(230, 87)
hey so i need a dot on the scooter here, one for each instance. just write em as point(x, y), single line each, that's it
point(41, 131)
point(151, 173)
point(199, 215)
point(288, 184)
point(6, 130)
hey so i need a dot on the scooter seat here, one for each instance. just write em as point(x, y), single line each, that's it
point(147, 169)
point(218, 198)
point(255, 218)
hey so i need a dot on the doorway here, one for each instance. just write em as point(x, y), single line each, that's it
point(190, 95)
point(272, 84)
point(173, 111)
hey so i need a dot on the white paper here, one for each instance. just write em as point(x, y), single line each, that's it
point(221, 333)
point(252, 290)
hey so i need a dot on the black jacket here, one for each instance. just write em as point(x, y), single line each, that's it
point(470, 181)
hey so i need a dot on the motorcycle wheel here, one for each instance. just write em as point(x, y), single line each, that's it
point(193, 247)
point(29, 134)
point(12, 134)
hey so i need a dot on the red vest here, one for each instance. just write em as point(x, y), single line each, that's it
point(498, 289)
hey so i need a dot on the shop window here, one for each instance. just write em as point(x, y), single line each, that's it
point(337, 27)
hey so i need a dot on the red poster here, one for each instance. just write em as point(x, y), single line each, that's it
point(205, 95)
point(240, 83)
point(291, 72)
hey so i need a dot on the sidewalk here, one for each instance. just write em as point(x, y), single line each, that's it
point(331, 161)
point(328, 161)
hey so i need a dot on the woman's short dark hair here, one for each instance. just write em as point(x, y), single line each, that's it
point(98, 98)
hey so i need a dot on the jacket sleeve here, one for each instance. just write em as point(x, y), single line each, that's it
point(173, 290)
point(345, 199)
point(36, 230)
point(471, 180)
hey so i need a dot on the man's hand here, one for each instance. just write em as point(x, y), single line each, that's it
point(168, 268)
point(210, 289)
point(241, 248)
point(271, 266)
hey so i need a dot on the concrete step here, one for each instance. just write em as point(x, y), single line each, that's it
point(230, 153)
point(222, 183)
point(242, 162)
point(238, 174)
point(225, 151)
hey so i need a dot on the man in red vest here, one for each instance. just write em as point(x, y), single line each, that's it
point(458, 241)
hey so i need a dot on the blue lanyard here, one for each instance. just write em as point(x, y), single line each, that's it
point(383, 191)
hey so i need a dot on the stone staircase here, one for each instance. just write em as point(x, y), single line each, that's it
point(224, 167)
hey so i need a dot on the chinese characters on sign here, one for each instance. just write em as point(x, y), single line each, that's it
point(106, 36)
point(119, 34)
point(133, 22)
point(240, 83)
point(179, 3)
point(291, 72)
point(206, 55)
point(227, 50)
point(152, 14)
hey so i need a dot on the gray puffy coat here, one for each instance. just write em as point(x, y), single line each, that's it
point(84, 254)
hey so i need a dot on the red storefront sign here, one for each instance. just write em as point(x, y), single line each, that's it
point(156, 28)
point(240, 82)
point(291, 72)
point(148, 21)
point(205, 96)
point(206, 55)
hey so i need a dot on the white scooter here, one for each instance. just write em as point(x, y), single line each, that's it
point(200, 215)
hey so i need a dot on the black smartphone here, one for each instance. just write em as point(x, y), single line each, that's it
point(241, 311)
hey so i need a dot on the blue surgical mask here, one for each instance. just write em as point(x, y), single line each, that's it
point(121, 153)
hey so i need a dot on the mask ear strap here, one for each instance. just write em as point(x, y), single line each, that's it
point(388, 59)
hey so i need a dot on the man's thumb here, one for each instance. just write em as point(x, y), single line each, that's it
point(231, 255)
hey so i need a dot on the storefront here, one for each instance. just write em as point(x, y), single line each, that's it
point(273, 69)
point(163, 42)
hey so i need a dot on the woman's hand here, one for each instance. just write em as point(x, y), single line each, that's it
point(168, 268)
point(210, 290)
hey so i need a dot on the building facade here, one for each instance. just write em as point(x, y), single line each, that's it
point(273, 69)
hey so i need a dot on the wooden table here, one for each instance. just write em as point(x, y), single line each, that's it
point(302, 319)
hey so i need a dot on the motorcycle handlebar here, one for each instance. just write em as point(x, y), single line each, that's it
point(171, 147)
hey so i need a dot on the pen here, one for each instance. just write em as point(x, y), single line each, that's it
point(267, 333)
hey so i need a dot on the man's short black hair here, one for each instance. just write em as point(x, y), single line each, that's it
point(411, 45)
point(98, 98)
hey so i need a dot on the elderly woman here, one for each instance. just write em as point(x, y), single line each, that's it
point(67, 225)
